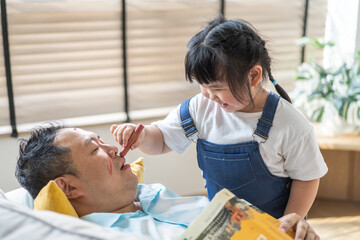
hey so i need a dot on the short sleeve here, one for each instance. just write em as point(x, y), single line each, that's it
point(174, 135)
point(304, 160)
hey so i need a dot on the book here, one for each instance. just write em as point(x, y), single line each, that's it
point(229, 217)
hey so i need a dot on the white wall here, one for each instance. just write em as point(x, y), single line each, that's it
point(9, 151)
point(178, 172)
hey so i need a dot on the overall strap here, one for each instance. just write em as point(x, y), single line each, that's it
point(265, 122)
point(186, 121)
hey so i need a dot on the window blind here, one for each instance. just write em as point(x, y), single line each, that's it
point(4, 103)
point(280, 23)
point(158, 32)
point(66, 56)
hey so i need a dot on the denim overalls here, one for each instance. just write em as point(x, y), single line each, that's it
point(239, 167)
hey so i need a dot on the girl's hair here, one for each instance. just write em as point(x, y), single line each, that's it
point(227, 50)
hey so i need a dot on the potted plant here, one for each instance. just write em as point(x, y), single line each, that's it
point(329, 96)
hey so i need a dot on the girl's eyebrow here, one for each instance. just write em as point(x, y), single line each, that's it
point(213, 84)
point(216, 85)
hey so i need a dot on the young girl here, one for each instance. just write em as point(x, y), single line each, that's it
point(249, 140)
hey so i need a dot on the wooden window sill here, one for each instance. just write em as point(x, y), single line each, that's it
point(342, 142)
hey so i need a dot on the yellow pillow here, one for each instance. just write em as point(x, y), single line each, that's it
point(137, 168)
point(52, 198)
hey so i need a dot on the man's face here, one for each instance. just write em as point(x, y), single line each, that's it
point(103, 177)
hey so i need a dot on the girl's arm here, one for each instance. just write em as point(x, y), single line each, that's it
point(153, 142)
point(150, 140)
point(302, 196)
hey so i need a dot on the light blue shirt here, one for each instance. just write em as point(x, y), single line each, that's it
point(166, 214)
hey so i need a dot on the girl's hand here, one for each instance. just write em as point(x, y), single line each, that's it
point(123, 132)
point(303, 230)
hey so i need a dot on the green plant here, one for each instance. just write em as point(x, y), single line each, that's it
point(318, 88)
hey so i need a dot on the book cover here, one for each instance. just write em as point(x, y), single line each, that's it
point(228, 217)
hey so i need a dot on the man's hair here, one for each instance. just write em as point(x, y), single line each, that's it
point(41, 161)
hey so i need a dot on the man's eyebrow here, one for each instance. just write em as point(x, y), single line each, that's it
point(89, 140)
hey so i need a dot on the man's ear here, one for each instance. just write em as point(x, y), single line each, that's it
point(68, 185)
point(255, 75)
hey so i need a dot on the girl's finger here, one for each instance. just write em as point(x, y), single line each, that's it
point(127, 133)
point(301, 230)
point(113, 127)
point(288, 221)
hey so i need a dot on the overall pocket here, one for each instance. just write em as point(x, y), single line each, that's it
point(229, 171)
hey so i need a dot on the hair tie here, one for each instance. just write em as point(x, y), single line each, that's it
point(274, 82)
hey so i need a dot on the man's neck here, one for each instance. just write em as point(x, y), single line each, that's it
point(83, 209)
point(132, 207)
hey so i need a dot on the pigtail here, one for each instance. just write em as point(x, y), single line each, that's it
point(279, 89)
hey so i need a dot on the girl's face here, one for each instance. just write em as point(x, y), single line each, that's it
point(220, 93)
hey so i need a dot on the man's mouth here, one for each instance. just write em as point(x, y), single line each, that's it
point(124, 165)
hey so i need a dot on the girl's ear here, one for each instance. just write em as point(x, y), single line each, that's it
point(255, 75)
point(68, 185)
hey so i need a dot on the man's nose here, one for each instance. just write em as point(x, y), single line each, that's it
point(111, 150)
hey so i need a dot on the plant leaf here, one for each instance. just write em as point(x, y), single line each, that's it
point(316, 43)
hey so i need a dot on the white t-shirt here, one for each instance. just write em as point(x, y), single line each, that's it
point(291, 149)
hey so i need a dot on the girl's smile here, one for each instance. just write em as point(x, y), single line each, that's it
point(224, 105)
point(220, 93)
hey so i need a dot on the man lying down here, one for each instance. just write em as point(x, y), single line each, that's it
point(102, 188)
